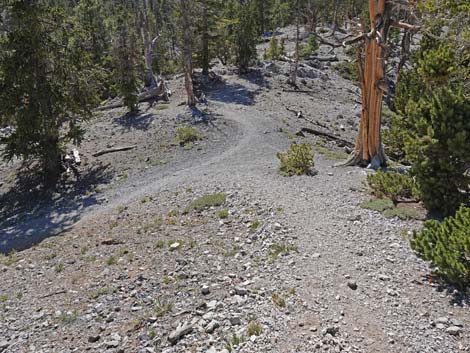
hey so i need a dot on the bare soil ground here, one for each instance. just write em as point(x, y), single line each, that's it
point(296, 266)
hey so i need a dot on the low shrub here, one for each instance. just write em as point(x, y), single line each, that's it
point(447, 246)
point(402, 213)
point(379, 205)
point(205, 201)
point(393, 185)
point(348, 70)
point(186, 135)
point(310, 48)
point(254, 329)
point(297, 160)
point(275, 50)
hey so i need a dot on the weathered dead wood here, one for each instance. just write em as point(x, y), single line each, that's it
point(160, 91)
point(300, 115)
point(327, 135)
point(296, 91)
point(54, 293)
point(112, 150)
point(331, 58)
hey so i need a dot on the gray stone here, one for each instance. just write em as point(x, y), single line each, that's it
point(94, 338)
point(241, 291)
point(205, 290)
point(212, 326)
point(352, 285)
point(235, 321)
point(174, 246)
point(442, 320)
point(454, 330)
point(3, 345)
point(181, 331)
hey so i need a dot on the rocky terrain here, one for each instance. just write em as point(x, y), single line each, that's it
point(272, 264)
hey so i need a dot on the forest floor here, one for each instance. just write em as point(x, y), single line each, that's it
point(122, 264)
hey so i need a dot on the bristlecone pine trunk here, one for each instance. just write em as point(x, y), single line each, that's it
point(369, 149)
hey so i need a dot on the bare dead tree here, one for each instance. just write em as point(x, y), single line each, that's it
point(368, 148)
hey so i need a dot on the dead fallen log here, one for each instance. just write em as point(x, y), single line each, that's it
point(296, 91)
point(112, 150)
point(325, 134)
point(160, 91)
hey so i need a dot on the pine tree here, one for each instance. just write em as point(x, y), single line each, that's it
point(47, 88)
point(246, 35)
point(126, 59)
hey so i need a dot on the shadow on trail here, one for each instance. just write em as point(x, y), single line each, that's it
point(139, 121)
point(30, 214)
point(256, 77)
point(232, 93)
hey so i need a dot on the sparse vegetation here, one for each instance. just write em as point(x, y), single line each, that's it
point(402, 213)
point(223, 214)
point(278, 300)
point(187, 135)
point(10, 259)
point(205, 201)
point(255, 225)
point(59, 267)
point(234, 342)
point(102, 291)
point(379, 205)
point(330, 155)
point(254, 329)
point(112, 260)
point(297, 160)
point(160, 244)
point(281, 249)
point(162, 306)
point(68, 317)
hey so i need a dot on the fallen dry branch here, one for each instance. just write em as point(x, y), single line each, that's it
point(325, 134)
point(54, 293)
point(296, 91)
point(300, 115)
point(112, 150)
point(160, 91)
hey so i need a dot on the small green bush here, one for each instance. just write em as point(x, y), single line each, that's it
point(275, 50)
point(393, 185)
point(310, 48)
point(348, 70)
point(205, 201)
point(186, 135)
point(223, 213)
point(297, 160)
point(254, 329)
point(447, 246)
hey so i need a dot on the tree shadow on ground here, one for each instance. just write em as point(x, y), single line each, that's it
point(256, 77)
point(138, 121)
point(232, 93)
point(29, 213)
point(458, 297)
